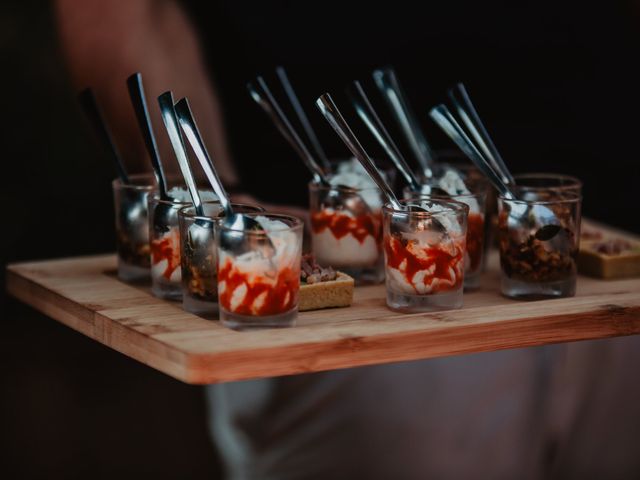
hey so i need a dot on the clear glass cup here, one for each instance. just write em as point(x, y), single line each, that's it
point(425, 255)
point(538, 239)
point(258, 283)
point(132, 226)
point(346, 230)
point(553, 181)
point(198, 256)
point(477, 232)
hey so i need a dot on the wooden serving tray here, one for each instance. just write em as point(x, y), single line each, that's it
point(84, 294)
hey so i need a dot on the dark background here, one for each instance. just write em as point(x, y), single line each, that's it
point(556, 83)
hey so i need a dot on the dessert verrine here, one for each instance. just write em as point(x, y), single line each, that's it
point(259, 272)
point(538, 238)
point(473, 193)
point(166, 276)
point(346, 224)
point(198, 256)
point(132, 226)
point(425, 254)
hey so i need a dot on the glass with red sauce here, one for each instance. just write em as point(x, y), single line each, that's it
point(425, 255)
point(346, 238)
point(164, 241)
point(257, 285)
point(199, 259)
point(476, 200)
point(132, 226)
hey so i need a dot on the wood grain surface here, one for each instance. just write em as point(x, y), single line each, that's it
point(84, 294)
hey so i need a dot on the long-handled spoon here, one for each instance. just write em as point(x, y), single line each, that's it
point(521, 213)
point(136, 92)
point(131, 210)
point(369, 116)
point(387, 82)
point(469, 116)
point(93, 113)
point(331, 113)
point(201, 232)
point(304, 120)
point(340, 195)
point(236, 223)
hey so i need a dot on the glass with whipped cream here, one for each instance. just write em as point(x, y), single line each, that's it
point(346, 223)
point(538, 238)
point(132, 226)
point(425, 255)
point(474, 195)
point(259, 272)
point(164, 241)
point(198, 256)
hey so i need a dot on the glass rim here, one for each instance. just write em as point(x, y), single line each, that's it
point(183, 210)
point(298, 224)
point(574, 182)
point(455, 207)
point(118, 183)
point(567, 197)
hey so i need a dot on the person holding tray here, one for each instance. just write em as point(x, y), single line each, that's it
point(547, 412)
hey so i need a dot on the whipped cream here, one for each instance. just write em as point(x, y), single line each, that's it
point(352, 174)
point(346, 252)
point(181, 194)
point(452, 183)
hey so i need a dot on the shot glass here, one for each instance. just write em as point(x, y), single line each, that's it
point(346, 230)
point(198, 256)
point(132, 227)
point(538, 240)
point(259, 272)
point(476, 200)
point(548, 181)
point(425, 255)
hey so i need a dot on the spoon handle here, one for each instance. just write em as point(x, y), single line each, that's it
point(136, 92)
point(447, 122)
point(331, 113)
point(171, 124)
point(190, 129)
point(472, 120)
point(93, 113)
point(387, 82)
point(371, 119)
point(271, 107)
point(302, 116)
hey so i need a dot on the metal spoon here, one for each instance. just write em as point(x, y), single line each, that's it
point(131, 210)
point(161, 217)
point(387, 82)
point(201, 232)
point(93, 113)
point(233, 239)
point(520, 214)
point(340, 196)
point(369, 116)
point(331, 113)
point(304, 120)
point(471, 119)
